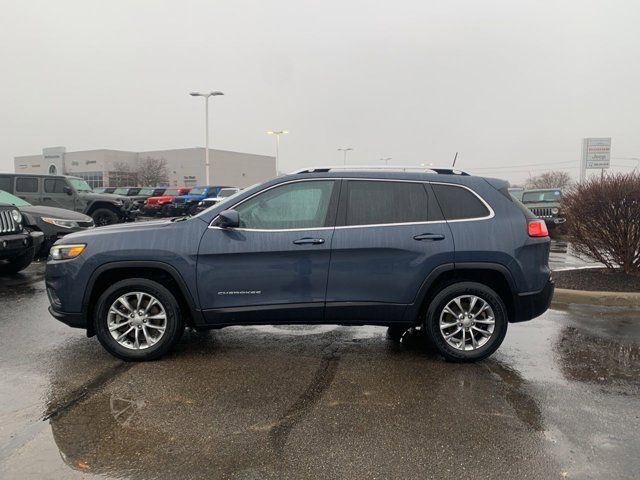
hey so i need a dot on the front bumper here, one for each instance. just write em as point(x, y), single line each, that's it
point(17, 243)
point(531, 305)
point(75, 320)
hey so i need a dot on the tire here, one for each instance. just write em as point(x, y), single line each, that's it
point(166, 211)
point(104, 216)
point(168, 305)
point(482, 345)
point(19, 262)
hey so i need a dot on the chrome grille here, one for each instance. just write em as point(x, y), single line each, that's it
point(542, 212)
point(7, 223)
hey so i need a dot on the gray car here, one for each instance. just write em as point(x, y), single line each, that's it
point(53, 222)
point(71, 193)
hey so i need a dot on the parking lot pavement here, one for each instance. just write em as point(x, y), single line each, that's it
point(560, 399)
point(563, 257)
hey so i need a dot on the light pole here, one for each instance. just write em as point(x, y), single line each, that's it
point(206, 128)
point(344, 151)
point(277, 133)
point(386, 160)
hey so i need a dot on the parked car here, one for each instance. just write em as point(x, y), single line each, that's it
point(127, 191)
point(53, 222)
point(159, 204)
point(516, 192)
point(144, 193)
point(188, 204)
point(452, 253)
point(104, 190)
point(223, 194)
point(18, 243)
point(71, 193)
point(545, 204)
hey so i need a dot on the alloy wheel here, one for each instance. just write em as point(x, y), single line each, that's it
point(467, 322)
point(137, 320)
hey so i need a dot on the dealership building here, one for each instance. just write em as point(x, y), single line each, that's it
point(185, 166)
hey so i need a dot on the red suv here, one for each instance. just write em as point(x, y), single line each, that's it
point(160, 205)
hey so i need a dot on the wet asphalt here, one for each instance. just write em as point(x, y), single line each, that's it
point(560, 399)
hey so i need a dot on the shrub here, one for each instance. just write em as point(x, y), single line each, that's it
point(604, 219)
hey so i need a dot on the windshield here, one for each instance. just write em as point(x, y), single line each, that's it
point(230, 199)
point(6, 197)
point(121, 191)
point(197, 191)
point(80, 185)
point(172, 191)
point(146, 191)
point(542, 196)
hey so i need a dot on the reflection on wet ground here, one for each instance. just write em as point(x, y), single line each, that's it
point(560, 399)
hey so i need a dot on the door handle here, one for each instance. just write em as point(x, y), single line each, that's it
point(429, 236)
point(309, 241)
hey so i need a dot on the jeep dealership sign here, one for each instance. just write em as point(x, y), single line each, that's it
point(596, 152)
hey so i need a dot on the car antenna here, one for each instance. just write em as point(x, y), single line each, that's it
point(454, 159)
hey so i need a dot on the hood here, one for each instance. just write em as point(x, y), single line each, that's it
point(53, 212)
point(109, 197)
point(162, 198)
point(117, 229)
point(191, 197)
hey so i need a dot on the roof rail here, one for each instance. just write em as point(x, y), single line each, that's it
point(438, 170)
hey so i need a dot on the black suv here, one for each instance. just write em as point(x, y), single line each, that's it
point(72, 193)
point(452, 253)
point(18, 245)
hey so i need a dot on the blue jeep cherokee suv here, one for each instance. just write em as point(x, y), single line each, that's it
point(452, 253)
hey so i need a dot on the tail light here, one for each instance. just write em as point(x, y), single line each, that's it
point(537, 228)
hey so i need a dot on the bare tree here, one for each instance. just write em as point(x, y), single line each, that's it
point(152, 172)
point(604, 219)
point(123, 175)
point(552, 179)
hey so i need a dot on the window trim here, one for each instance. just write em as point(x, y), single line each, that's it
point(335, 227)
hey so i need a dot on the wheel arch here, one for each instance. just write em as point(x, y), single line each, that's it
point(493, 275)
point(160, 272)
point(101, 204)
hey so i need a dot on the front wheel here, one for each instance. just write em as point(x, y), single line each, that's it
point(467, 321)
point(104, 216)
point(138, 319)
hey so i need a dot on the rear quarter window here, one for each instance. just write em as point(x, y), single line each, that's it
point(5, 184)
point(27, 184)
point(458, 203)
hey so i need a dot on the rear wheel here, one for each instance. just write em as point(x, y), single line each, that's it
point(138, 319)
point(104, 216)
point(467, 321)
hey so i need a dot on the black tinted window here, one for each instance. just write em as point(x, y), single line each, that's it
point(5, 184)
point(54, 185)
point(458, 203)
point(373, 203)
point(26, 184)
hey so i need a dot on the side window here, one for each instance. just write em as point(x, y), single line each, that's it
point(458, 203)
point(293, 205)
point(54, 185)
point(27, 184)
point(5, 184)
point(383, 202)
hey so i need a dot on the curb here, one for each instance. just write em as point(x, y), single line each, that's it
point(609, 299)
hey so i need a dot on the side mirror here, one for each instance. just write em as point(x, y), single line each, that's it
point(229, 219)
point(68, 190)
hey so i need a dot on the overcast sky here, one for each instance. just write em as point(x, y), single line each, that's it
point(513, 84)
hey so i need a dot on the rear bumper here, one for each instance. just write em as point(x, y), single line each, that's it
point(531, 305)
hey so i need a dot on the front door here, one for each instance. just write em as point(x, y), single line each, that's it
point(274, 267)
point(389, 236)
point(54, 194)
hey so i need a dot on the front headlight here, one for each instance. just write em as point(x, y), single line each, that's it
point(201, 204)
point(60, 222)
point(17, 217)
point(555, 211)
point(65, 252)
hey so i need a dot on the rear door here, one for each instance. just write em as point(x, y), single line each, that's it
point(389, 236)
point(28, 188)
point(276, 263)
point(54, 194)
